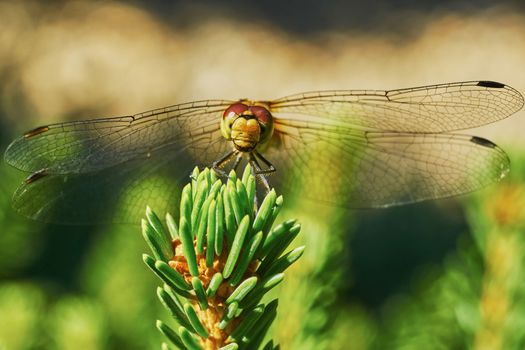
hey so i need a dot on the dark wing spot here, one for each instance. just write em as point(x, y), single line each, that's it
point(491, 84)
point(483, 142)
point(36, 131)
point(37, 175)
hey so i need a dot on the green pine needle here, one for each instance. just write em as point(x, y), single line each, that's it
point(174, 307)
point(246, 258)
point(200, 292)
point(248, 322)
point(220, 261)
point(159, 247)
point(215, 283)
point(236, 246)
point(151, 262)
point(172, 226)
point(194, 320)
point(187, 246)
point(170, 334)
point(171, 275)
point(190, 340)
point(242, 290)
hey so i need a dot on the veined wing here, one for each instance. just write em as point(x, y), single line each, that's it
point(120, 193)
point(108, 170)
point(427, 109)
point(91, 145)
point(366, 169)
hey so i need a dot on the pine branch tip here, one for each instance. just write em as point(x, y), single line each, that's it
point(220, 260)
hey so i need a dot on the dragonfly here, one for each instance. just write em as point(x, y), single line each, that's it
point(350, 148)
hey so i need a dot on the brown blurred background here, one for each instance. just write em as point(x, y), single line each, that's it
point(85, 59)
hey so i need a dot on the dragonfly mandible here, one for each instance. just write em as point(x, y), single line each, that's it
point(353, 148)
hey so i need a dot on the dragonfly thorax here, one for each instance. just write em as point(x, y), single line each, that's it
point(247, 124)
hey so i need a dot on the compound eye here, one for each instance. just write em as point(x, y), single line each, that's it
point(236, 108)
point(263, 116)
point(229, 119)
point(261, 113)
point(230, 115)
point(265, 120)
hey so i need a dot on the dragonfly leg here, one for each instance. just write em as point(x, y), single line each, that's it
point(236, 164)
point(218, 164)
point(259, 173)
point(270, 168)
point(237, 161)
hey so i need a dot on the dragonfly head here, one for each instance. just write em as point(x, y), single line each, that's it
point(247, 124)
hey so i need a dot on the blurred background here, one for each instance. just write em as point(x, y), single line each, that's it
point(440, 275)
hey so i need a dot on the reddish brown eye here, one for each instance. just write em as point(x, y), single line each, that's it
point(262, 114)
point(236, 108)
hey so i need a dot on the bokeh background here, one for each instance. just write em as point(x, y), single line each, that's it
point(449, 274)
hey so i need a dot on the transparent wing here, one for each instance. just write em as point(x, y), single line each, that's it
point(434, 108)
point(118, 194)
point(91, 145)
point(117, 178)
point(366, 169)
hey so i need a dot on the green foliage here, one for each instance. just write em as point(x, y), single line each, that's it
point(113, 277)
point(315, 317)
point(218, 264)
point(20, 241)
point(20, 315)
point(476, 299)
point(29, 321)
point(77, 323)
